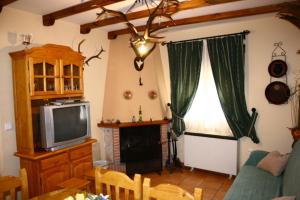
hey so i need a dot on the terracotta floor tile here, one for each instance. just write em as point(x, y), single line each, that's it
point(214, 185)
point(219, 195)
point(208, 194)
point(189, 184)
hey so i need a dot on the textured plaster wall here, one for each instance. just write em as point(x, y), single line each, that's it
point(122, 76)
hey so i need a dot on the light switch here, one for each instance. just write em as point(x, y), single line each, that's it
point(7, 126)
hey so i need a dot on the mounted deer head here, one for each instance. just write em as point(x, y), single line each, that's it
point(144, 44)
point(92, 57)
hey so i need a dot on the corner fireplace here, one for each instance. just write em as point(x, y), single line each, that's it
point(140, 148)
point(137, 147)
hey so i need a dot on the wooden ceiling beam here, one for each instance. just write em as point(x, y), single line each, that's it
point(5, 2)
point(49, 19)
point(205, 18)
point(86, 28)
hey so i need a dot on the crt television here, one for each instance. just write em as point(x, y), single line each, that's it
point(64, 125)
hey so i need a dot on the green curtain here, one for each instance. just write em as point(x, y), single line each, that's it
point(185, 64)
point(227, 56)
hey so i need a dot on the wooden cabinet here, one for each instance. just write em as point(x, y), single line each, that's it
point(40, 75)
point(71, 78)
point(81, 166)
point(46, 170)
point(81, 161)
point(53, 71)
point(44, 77)
point(53, 176)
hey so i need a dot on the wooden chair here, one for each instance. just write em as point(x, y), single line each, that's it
point(168, 191)
point(10, 184)
point(117, 182)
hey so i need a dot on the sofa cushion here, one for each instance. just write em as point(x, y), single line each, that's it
point(291, 177)
point(274, 163)
point(255, 157)
point(253, 183)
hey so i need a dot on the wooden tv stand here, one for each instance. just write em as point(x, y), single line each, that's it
point(45, 170)
point(41, 75)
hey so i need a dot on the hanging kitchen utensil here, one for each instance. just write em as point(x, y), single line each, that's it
point(277, 68)
point(277, 92)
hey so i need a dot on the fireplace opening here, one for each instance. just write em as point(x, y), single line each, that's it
point(140, 148)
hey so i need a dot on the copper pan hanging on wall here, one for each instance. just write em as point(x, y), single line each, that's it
point(277, 68)
point(277, 92)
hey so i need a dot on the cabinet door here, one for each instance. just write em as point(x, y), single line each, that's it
point(72, 79)
point(81, 166)
point(44, 77)
point(54, 176)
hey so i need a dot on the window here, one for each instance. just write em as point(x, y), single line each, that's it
point(205, 114)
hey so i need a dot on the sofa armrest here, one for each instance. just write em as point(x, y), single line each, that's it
point(255, 157)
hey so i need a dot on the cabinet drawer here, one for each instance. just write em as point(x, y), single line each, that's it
point(81, 166)
point(54, 161)
point(81, 152)
point(52, 177)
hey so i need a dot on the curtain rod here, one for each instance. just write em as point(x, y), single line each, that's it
point(245, 32)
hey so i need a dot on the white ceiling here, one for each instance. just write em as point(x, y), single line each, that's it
point(42, 7)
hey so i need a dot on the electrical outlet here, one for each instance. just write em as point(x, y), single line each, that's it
point(7, 126)
point(250, 150)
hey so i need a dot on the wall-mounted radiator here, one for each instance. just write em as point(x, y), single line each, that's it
point(210, 153)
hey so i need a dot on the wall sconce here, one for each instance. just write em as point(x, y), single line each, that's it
point(26, 39)
point(142, 48)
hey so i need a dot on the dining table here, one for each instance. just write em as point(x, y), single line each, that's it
point(58, 194)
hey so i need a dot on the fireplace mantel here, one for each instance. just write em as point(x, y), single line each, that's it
point(131, 124)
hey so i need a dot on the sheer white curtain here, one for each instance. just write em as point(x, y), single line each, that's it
point(206, 115)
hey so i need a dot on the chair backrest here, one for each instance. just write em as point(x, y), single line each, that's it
point(168, 191)
point(117, 182)
point(10, 184)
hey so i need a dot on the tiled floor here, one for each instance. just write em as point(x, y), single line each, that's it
point(214, 185)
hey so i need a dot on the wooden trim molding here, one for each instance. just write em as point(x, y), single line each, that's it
point(5, 2)
point(131, 124)
point(49, 19)
point(205, 18)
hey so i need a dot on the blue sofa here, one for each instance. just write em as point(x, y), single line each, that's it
point(253, 183)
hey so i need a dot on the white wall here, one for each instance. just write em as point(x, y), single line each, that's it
point(273, 120)
point(122, 76)
point(14, 22)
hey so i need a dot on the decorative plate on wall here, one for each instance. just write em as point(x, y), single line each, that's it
point(152, 94)
point(277, 92)
point(127, 95)
point(277, 68)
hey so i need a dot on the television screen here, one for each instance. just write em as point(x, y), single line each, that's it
point(70, 123)
point(64, 125)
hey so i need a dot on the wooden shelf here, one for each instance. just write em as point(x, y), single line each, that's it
point(130, 124)
point(44, 154)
